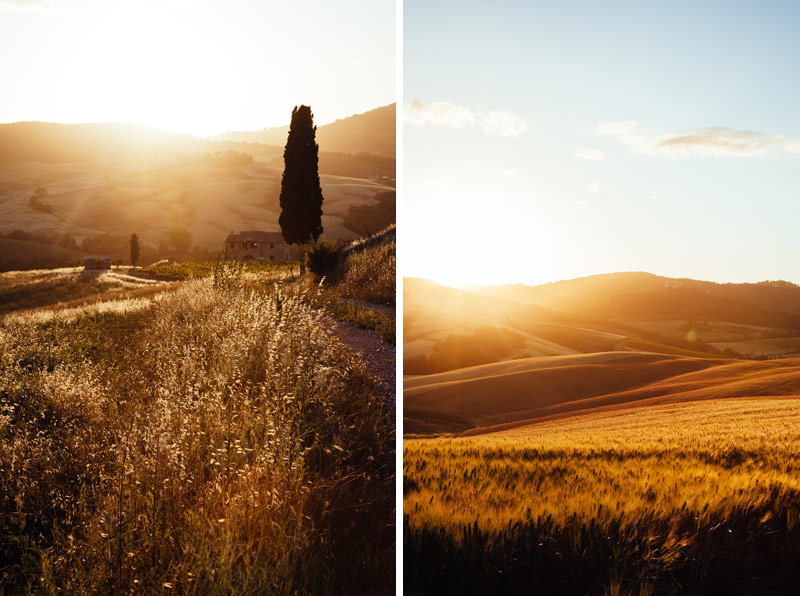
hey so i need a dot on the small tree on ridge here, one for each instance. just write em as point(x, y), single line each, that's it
point(134, 249)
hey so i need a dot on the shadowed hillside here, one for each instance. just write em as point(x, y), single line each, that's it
point(767, 304)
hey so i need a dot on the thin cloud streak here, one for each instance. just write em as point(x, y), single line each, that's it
point(720, 140)
point(449, 115)
point(590, 154)
point(712, 141)
point(793, 147)
point(43, 6)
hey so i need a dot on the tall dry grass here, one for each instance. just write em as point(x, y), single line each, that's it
point(367, 270)
point(219, 441)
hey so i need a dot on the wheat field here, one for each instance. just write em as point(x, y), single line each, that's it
point(678, 498)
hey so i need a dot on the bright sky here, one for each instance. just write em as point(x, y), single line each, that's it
point(194, 66)
point(551, 140)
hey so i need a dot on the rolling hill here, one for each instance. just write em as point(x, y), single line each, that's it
point(514, 354)
point(625, 311)
point(371, 133)
point(499, 396)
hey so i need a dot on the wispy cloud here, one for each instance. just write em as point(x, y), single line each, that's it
point(590, 154)
point(443, 113)
point(593, 187)
point(712, 141)
point(719, 140)
point(793, 147)
point(29, 5)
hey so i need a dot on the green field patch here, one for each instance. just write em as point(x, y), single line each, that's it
point(658, 348)
point(788, 343)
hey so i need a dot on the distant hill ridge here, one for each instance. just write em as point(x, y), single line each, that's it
point(54, 142)
point(766, 303)
point(370, 133)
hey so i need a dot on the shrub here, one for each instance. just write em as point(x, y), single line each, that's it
point(322, 258)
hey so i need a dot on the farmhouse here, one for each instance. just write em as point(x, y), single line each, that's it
point(258, 246)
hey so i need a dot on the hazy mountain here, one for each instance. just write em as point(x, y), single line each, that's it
point(767, 303)
point(52, 142)
point(371, 133)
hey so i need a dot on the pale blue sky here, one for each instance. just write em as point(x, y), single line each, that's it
point(550, 140)
point(197, 66)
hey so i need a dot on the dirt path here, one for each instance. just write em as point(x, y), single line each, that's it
point(379, 356)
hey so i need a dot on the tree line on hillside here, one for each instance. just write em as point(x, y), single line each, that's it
point(59, 250)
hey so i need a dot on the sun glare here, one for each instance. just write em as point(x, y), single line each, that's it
point(464, 237)
point(153, 68)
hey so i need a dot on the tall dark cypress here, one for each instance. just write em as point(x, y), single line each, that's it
point(134, 249)
point(301, 194)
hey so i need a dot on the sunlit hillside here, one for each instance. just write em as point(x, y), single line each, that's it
point(489, 397)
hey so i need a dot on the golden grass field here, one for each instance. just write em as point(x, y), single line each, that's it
point(699, 497)
point(705, 457)
point(67, 292)
point(209, 436)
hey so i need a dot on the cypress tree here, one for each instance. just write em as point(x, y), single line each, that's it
point(301, 194)
point(134, 249)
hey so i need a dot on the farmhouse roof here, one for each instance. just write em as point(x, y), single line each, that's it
point(256, 236)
